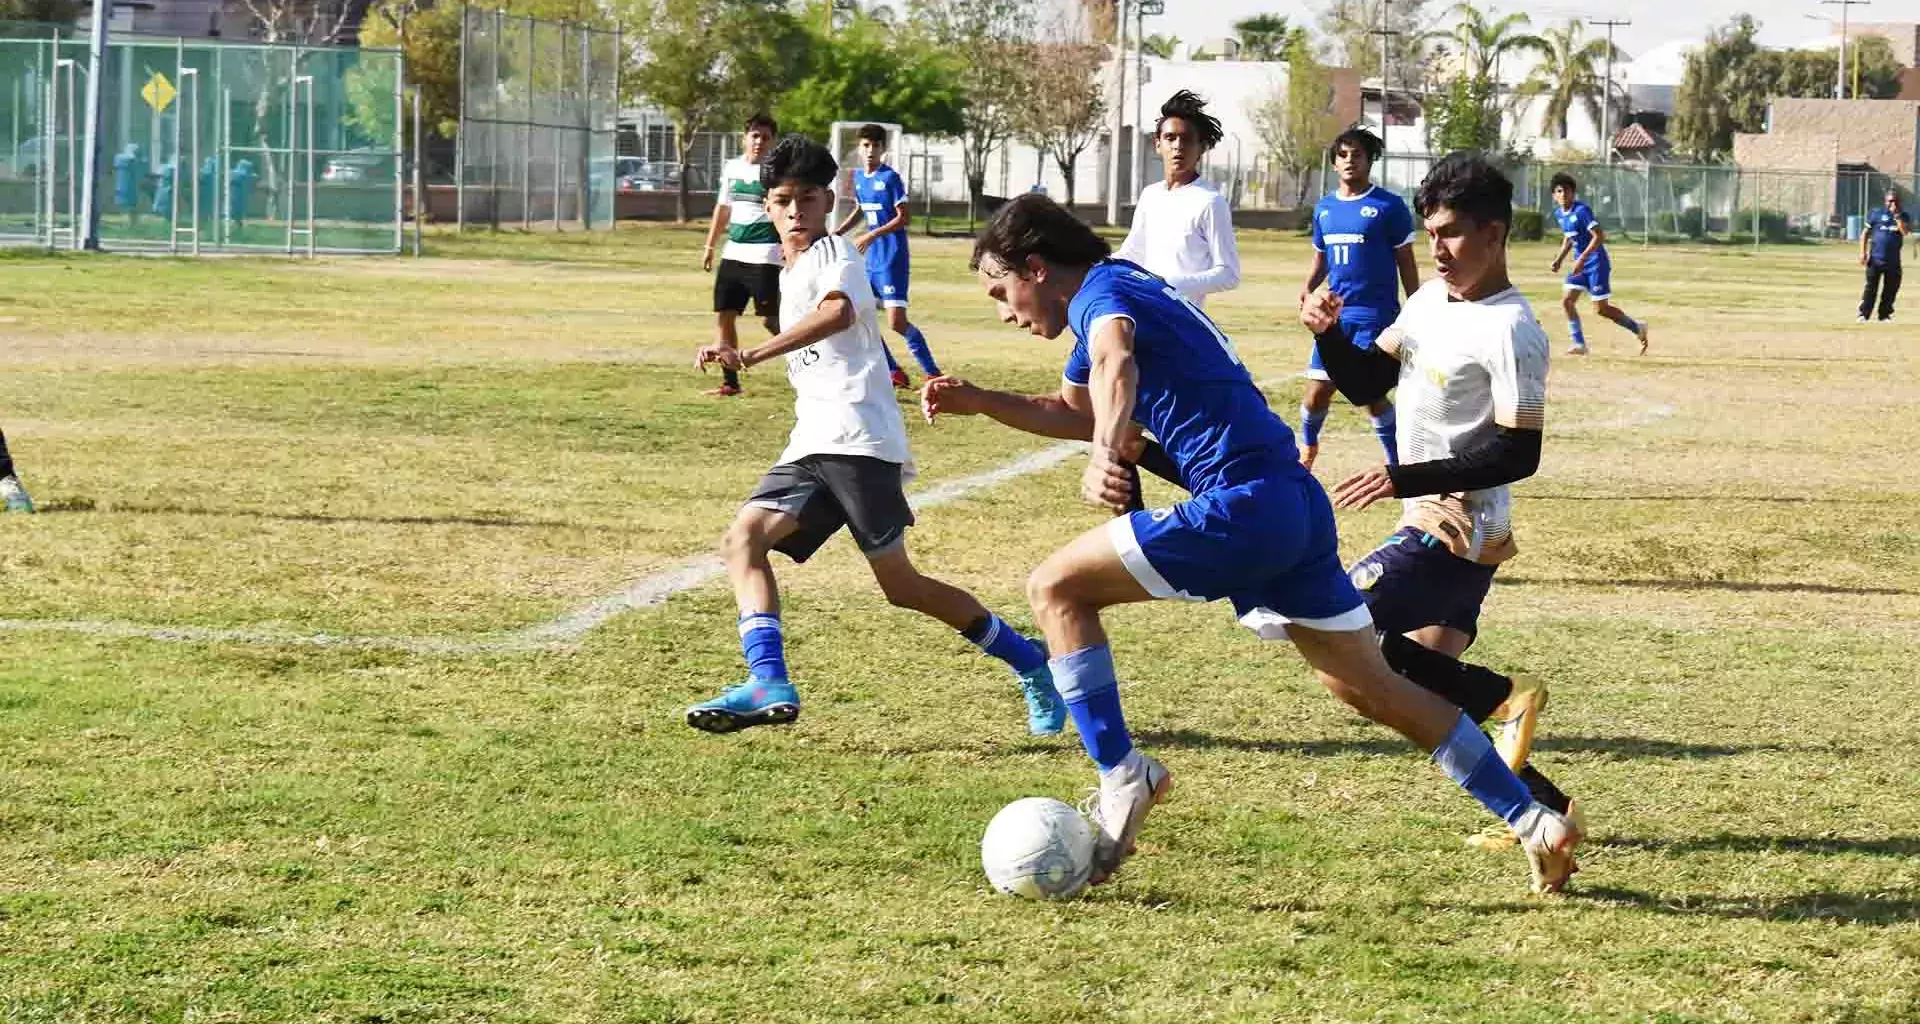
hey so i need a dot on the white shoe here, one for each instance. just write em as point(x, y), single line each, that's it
point(1120, 807)
point(1642, 335)
point(1860, 319)
point(13, 497)
point(1549, 840)
point(1577, 350)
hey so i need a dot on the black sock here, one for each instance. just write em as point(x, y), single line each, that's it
point(1544, 790)
point(6, 458)
point(1472, 689)
point(1136, 502)
point(1154, 459)
point(731, 378)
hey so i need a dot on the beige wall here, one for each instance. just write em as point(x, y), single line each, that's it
point(1905, 37)
point(1810, 191)
point(1882, 133)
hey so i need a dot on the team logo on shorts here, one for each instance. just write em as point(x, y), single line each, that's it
point(1366, 574)
point(1160, 515)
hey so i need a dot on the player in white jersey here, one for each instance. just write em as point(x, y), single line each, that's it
point(1182, 227)
point(845, 465)
point(750, 263)
point(1470, 361)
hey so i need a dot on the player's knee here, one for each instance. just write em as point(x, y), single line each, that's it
point(741, 542)
point(1047, 589)
point(904, 590)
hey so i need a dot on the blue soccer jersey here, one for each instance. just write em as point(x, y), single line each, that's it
point(878, 194)
point(1193, 392)
point(1361, 237)
point(1883, 230)
point(1577, 223)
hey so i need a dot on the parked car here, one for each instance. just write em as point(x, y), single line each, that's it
point(645, 176)
point(358, 167)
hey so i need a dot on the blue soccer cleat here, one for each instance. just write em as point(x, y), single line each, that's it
point(754, 702)
point(1046, 712)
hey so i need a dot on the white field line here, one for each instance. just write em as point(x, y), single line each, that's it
point(648, 591)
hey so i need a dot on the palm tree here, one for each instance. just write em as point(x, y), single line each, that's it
point(1483, 40)
point(1262, 37)
point(1157, 45)
point(1569, 73)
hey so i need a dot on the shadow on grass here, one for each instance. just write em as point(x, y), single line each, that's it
point(1885, 846)
point(1715, 499)
point(1898, 906)
point(76, 505)
point(1615, 746)
point(1731, 586)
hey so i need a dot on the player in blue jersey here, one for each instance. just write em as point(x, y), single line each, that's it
point(1362, 248)
point(1258, 529)
point(880, 201)
point(1592, 269)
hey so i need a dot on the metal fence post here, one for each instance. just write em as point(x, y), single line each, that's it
point(460, 132)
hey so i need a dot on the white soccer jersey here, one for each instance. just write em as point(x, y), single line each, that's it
point(750, 234)
point(843, 400)
point(1185, 235)
point(1466, 367)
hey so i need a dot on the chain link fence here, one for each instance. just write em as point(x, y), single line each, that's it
point(538, 103)
point(204, 145)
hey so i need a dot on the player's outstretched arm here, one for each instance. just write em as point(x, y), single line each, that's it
point(1044, 415)
point(834, 314)
point(1566, 246)
point(1362, 375)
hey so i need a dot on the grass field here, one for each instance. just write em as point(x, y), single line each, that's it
point(429, 820)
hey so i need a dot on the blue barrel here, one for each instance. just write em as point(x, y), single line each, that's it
point(1854, 226)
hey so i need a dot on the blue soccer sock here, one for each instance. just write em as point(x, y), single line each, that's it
point(1086, 682)
point(893, 365)
point(917, 344)
point(1385, 427)
point(761, 640)
point(1468, 758)
point(1632, 326)
point(1579, 336)
point(997, 639)
point(1310, 424)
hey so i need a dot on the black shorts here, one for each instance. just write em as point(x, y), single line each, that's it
point(736, 282)
point(826, 492)
point(1412, 581)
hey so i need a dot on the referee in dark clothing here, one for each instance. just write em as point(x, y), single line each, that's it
point(1880, 244)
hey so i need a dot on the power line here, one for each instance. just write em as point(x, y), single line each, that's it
point(1840, 73)
point(1606, 88)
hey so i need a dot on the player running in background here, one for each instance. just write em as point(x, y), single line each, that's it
point(1592, 269)
point(1362, 248)
point(1182, 227)
point(750, 263)
point(1470, 362)
point(845, 464)
point(1258, 530)
point(13, 495)
point(880, 198)
point(1880, 244)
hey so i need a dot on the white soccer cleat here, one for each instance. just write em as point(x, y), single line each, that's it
point(13, 496)
point(1549, 840)
point(1577, 350)
point(1119, 808)
point(1642, 335)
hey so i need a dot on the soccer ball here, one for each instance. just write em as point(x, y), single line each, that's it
point(1038, 848)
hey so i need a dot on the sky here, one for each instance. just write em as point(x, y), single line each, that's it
point(1782, 22)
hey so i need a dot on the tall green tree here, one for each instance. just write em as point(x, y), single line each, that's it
point(1569, 74)
point(707, 63)
point(1297, 123)
point(1157, 45)
point(868, 70)
point(1483, 41)
point(1351, 29)
point(1263, 36)
point(994, 40)
point(1062, 106)
point(1466, 115)
point(1721, 92)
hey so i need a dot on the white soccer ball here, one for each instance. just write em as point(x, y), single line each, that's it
point(1038, 848)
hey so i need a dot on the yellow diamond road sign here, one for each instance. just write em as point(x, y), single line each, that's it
point(159, 93)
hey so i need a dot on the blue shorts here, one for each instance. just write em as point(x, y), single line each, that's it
point(1412, 581)
point(1596, 278)
point(1361, 332)
point(1269, 546)
point(889, 282)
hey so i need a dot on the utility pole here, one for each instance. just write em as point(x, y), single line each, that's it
point(1840, 74)
point(1141, 9)
point(1114, 123)
point(88, 233)
point(1606, 89)
point(1384, 31)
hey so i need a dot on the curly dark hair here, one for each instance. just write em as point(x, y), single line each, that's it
point(1361, 140)
point(1563, 178)
point(799, 159)
point(1467, 184)
point(872, 133)
point(1033, 225)
point(1189, 107)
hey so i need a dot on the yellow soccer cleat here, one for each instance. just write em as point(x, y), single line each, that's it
point(1519, 718)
